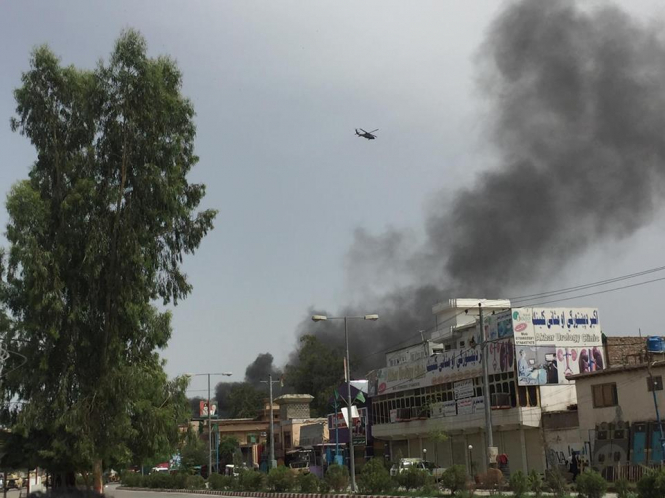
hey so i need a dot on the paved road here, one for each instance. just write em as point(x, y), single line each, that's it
point(112, 491)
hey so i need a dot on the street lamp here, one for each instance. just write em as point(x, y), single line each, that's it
point(225, 374)
point(471, 461)
point(349, 401)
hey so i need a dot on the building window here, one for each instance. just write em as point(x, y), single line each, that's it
point(655, 383)
point(287, 440)
point(604, 395)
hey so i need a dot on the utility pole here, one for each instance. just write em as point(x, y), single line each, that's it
point(273, 463)
point(486, 388)
point(209, 432)
point(655, 404)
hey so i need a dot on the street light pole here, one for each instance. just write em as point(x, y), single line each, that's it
point(349, 401)
point(273, 463)
point(226, 374)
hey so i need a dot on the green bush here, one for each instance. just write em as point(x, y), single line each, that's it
point(556, 482)
point(622, 488)
point(281, 479)
point(652, 485)
point(337, 478)
point(179, 480)
point(375, 478)
point(160, 480)
point(132, 480)
point(535, 483)
point(519, 484)
point(220, 482)
point(454, 478)
point(250, 480)
point(413, 478)
point(196, 482)
point(308, 483)
point(591, 484)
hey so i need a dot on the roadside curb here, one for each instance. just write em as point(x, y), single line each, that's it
point(257, 494)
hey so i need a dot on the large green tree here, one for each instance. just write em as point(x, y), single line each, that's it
point(317, 369)
point(245, 400)
point(97, 234)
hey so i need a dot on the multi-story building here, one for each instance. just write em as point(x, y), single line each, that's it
point(437, 386)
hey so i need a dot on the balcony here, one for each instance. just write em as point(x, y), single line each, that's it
point(419, 421)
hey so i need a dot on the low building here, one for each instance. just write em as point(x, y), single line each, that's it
point(618, 415)
point(294, 415)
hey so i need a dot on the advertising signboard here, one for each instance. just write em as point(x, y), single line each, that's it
point(553, 343)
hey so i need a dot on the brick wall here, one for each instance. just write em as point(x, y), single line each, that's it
point(625, 350)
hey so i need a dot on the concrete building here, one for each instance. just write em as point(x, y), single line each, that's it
point(437, 385)
point(295, 417)
point(617, 415)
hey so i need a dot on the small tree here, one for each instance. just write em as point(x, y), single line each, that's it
point(591, 484)
point(519, 484)
point(556, 482)
point(413, 478)
point(438, 437)
point(375, 478)
point(337, 478)
point(250, 480)
point(193, 451)
point(623, 490)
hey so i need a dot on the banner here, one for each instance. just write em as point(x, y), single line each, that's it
point(463, 389)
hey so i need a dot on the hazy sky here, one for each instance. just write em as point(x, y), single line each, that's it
point(278, 88)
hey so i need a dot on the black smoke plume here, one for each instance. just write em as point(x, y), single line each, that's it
point(257, 371)
point(577, 120)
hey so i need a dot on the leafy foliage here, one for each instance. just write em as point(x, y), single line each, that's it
point(413, 478)
point(220, 482)
point(652, 484)
point(519, 484)
point(193, 450)
point(96, 234)
point(244, 400)
point(556, 482)
point(454, 478)
point(535, 483)
point(317, 370)
point(308, 483)
point(375, 478)
point(591, 484)
point(250, 480)
point(281, 479)
point(623, 488)
point(228, 446)
point(337, 478)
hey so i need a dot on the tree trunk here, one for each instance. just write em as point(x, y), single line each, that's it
point(97, 483)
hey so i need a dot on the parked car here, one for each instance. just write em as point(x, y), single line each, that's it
point(407, 463)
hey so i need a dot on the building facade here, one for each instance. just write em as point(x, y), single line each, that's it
point(531, 353)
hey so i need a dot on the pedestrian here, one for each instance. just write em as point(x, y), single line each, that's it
point(574, 466)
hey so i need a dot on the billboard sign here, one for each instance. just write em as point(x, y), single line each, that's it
point(203, 409)
point(553, 343)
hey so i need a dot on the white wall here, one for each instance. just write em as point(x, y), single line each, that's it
point(635, 402)
point(557, 397)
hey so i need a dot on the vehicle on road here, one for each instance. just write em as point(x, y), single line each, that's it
point(14, 481)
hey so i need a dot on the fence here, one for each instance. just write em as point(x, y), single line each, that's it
point(632, 473)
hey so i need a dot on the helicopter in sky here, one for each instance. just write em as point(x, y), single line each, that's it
point(367, 134)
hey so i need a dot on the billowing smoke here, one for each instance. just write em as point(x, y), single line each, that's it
point(577, 113)
point(257, 371)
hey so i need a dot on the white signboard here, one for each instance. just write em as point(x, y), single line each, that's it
point(444, 409)
point(464, 389)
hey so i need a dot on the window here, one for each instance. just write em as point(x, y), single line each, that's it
point(604, 395)
point(287, 440)
point(655, 383)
